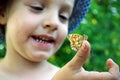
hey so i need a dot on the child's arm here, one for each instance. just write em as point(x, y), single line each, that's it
point(73, 70)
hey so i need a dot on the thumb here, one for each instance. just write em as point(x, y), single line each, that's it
point(80, 57)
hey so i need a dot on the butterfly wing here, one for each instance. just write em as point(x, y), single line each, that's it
point(76, 41)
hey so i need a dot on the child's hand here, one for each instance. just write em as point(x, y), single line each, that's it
point(73, 70)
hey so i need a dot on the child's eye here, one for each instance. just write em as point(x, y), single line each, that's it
point(63, 17)
point(37, 8)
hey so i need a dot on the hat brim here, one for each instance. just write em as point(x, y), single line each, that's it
point(79, 11)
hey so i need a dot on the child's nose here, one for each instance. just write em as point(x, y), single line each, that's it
point(50, 26)
point(51, 22)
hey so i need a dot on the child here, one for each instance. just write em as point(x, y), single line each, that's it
point(34, 30)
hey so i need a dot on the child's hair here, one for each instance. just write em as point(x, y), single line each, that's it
point(4, 4)
point(79, 11)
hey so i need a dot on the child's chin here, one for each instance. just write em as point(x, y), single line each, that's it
point(39, 57)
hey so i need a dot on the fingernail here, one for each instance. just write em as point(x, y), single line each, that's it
point(84, 46)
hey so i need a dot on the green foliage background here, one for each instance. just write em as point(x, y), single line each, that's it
point(102, 25)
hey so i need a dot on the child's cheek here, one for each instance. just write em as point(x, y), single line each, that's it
point(62, 33)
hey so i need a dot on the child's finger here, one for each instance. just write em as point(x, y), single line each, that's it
point(100, 76)
point(113, 67)
point(81, 56)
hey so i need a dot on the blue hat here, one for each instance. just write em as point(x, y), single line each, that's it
point(79, 11)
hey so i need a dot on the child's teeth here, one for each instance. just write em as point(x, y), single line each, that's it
point(42, 39)
point(37, 40)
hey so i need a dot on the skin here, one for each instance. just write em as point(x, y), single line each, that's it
point(23, 21)
point(75, 71)
point(26, 60)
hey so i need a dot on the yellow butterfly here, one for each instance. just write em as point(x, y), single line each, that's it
point(76, 40)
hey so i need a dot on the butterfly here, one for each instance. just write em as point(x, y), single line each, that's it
point(76, 40)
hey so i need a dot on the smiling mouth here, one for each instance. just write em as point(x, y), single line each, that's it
point(43, 39)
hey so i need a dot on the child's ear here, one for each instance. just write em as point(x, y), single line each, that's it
point(2, 19)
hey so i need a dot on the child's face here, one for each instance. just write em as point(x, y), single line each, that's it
point(37, 28)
